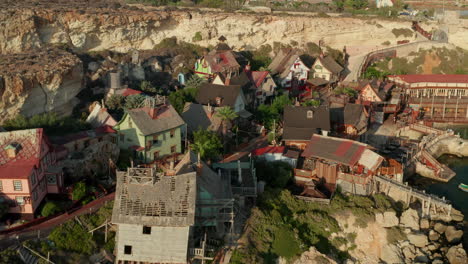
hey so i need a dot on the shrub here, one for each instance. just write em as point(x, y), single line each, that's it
point(197, 36)
point(50, 208)
point(386, 43)
point(134, 101)
point(71, 236)
point(406, 32)
point(79, 191)
point(180, 97)
point(10, 256)
point(115, 102)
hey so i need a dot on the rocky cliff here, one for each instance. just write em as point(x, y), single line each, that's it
point(39, 81)
point(120, 28)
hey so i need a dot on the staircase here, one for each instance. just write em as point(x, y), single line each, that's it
point(26, 256)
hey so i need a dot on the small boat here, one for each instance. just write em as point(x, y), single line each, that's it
point(463, 187)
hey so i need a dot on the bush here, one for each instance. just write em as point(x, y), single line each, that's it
point(134, 101)
point(115, 102)
point(276, 174)
point(79, 191)
point(71, 236)
point(285, 244)
point(50, 122)
point(50, 208)
point(406, 32)
point(197, 36)
point(386, 43)
point(10, 256)
point(180, 97)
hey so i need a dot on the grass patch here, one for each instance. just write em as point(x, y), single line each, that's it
point(285, 244)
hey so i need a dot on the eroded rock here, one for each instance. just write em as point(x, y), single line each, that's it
point(419, 240)
point(453, 235)
point(410, 219)
point(457, 255)
point(387, 219)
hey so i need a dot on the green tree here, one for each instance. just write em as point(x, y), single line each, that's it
point(226, 114)
point(50, 208)
point(79, 191)
point(276, 174)
point(147, 87)
point(194, 82)
point(10, 256)
point(182, 96)
point(313, 102)
point(134, 101)
point(207, 143)
point(71, 236)
point(115, 102)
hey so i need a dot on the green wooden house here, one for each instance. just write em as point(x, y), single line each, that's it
point(151, 133)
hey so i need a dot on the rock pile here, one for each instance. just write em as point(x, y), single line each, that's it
point(427, 242)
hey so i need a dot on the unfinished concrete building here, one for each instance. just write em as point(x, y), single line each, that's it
point(154, 214)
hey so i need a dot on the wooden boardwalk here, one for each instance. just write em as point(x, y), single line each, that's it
point(430, 203)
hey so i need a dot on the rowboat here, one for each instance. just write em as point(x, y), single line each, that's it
point(463, 187)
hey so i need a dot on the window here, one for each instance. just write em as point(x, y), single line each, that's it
point(155, 139)
point(148, 144)
point(130, 124)
point(147, 230)
point(156, 155)
point(127, 250)
point(1, 186)
point(310, 114)
point(173, 149)
point(318, 67)
point(35, 195)
point(51, 179)
point(122, 137)
point(17, 185)
point(172, 133)
point(19, 200)
point(33, 178)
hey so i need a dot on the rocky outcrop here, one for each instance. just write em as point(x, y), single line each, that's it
point(392, 254)
point(39, 81)
point(457, 255)
point(314, 256)
point(451, 145)
point(418, 239)
point(387, 219)
point(84, 26)
point(453, 235)
point(410, 219)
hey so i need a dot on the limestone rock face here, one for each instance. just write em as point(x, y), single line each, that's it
point(314, 256)
point(410, 219)
point(387, 219)
point(457, 255)
point(419, 240)
point(453, 235)
point(392, 254)
point(40, 81)
point(120, 28)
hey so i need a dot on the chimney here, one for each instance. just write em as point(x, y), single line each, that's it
point(153, 112)
point(210, 111)
point(199, 165)
point(219, 100)
point(12, 150)
point(228, 79)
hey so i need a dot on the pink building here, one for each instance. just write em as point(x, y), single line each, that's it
point(27, 173)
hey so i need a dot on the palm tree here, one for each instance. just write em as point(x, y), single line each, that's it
point(227, 115)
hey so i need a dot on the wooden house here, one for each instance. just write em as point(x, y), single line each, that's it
point(223, 95)
point(326, 68)
point(27, 171)
point(301, 122)
point(151, 132)
point(356, 119)
point(290, 69)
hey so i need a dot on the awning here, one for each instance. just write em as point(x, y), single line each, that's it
point(244, 114)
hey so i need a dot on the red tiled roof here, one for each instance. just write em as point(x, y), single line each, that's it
point(269, 149)
point(130, 91)
point(104, 129)
point(28, 156)
point(339, 150)
point(443, 78)
point(257, 77)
